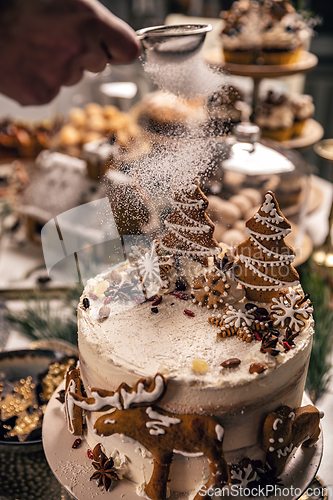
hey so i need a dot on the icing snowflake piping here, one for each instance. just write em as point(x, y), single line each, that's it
point(245, 476)
point(269, 208)
point(234, 322)
point(237, 317)
point(290, 311)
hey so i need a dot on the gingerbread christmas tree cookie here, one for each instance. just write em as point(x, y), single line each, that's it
point(264, 263)
point(190, 230)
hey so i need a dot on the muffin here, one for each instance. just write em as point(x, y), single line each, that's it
point(282, 117)
point(284, 34)
point(270, 32)
point(241, 34)
point(303, 109)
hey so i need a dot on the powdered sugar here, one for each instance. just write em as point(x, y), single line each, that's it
point(188, 78)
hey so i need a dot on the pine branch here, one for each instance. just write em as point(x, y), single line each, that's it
point(320, 361)
point(40, 321)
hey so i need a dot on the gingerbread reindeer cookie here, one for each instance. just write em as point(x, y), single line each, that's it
point(285, 429)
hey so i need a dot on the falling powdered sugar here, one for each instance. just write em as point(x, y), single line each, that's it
point(189, 77)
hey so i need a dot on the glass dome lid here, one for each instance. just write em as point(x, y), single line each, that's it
point(245, 155)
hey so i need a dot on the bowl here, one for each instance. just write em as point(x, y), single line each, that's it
point(20, 364)
point(24, 471)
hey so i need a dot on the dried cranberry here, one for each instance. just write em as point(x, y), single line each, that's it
point(139, 299)
point(180, 295)
point(286, 345)
point(189, 313)
point(152, 298)
point(90, 454)
point(157, 301)
point(77, 443)
point(92, 296)
point(257, 336)
point(107, 300)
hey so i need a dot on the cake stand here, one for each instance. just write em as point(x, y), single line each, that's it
point(257, 72)
point(73, 468)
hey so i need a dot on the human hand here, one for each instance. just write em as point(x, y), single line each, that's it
point(45, 44)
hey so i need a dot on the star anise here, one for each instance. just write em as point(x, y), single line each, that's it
point(123, 291)
point(223, 264)
point(290, 336)
point(266, 476)
point(61, 396)
point(268, 344)
point(105, 472)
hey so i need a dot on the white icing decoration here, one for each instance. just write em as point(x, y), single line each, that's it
point(195, 227)
point(276, 422)
point(109, 421)
point(271, 440)
point(269, 207)
point(163, 420)
point(287, 257)
point(142, 395)
point(69, 406)
point(146, 264)
point(126, 439)
point(243, 475)
point(285, 451)
point(190, 455)
point(219, 432)
point(287, 309)
point(292, 415)
point(100, 402)
point(278, 259)
point(271, 449)
point(237, 317)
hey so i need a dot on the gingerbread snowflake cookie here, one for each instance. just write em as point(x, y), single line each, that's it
point(291, 310)
point(210, 289)
point(232, 321)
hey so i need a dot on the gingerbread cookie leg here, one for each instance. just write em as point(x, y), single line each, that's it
point(156, 489)
point(73, 413)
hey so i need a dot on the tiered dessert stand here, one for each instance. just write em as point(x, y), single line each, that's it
point(313, 131)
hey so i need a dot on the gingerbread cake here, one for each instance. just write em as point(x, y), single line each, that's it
point(192, 364)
